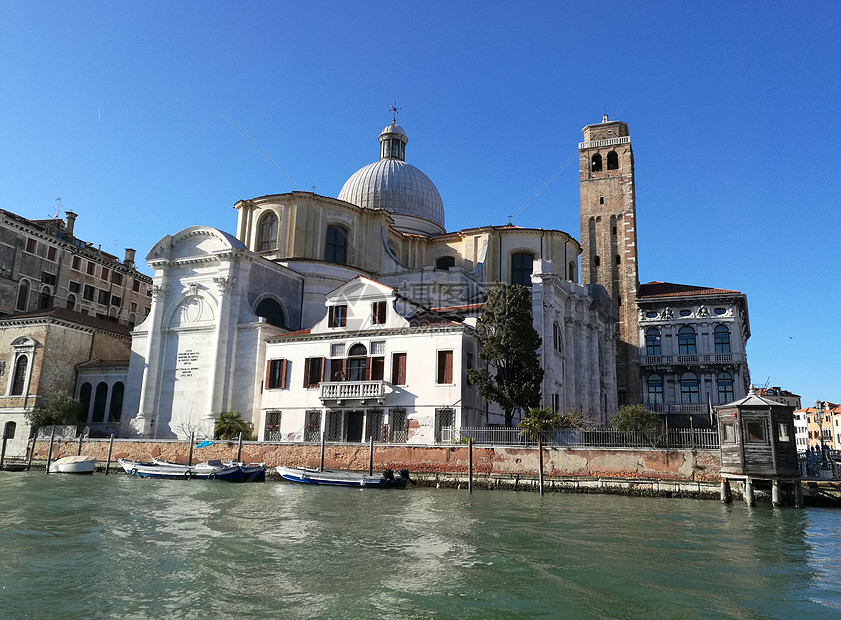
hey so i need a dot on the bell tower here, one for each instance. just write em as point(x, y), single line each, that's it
point(609, 237)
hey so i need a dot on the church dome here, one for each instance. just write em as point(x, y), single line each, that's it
point(394, 185)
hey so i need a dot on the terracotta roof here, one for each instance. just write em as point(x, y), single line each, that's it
point(300, 332)
point(71, 316)
point(668, 289)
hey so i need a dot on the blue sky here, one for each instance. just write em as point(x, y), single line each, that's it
point(120, 110)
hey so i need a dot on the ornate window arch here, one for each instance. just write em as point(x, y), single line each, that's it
point(690, 389)
point(357, 362)
point(721, 334)
point(686, 341)
point(267, 232)
point(23, 357)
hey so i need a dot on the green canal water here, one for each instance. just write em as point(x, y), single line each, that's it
point(120, 547)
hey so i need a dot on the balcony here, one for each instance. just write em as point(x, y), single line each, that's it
point(691, 360)
point(352, 390)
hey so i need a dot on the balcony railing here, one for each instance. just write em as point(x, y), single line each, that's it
point(691, 360)
point(608, 142)
point(352, 390)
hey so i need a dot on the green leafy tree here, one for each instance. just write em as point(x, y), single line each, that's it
point(509, 344)
point(634, 418)
point(58, 409)
point(539, 423)
point(230, 424)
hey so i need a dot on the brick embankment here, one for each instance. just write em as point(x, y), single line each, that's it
point(670, 473)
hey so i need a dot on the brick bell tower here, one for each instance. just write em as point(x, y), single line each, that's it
point(609, 237)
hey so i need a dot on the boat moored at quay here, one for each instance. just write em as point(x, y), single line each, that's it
point(228, 471)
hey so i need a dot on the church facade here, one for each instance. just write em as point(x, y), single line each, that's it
point(235, 316)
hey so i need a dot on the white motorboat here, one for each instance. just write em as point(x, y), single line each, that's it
point(73, 465)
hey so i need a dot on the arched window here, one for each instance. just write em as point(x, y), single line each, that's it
point(267, 233)
point(85, 399)
point(596, 163)
point(23, 296)
point(71, 302)
point(99, 402)
point(44, 298)
point(445, 262)
point(335, 249)
point(19, 380)
point(572, 276)
point(652, 342)
point(689, 389)
point(686, 341)
point(724, 380)
point(655, 390)
point(722, 339)
point(9, 430)
point(612, 160)
point(115, 411)
point(521, 266)
point(557, 338)
point(270, 310)
point(357, 362)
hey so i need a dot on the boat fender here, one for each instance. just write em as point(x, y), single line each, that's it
point(188, 474)
point(133, 471)
point(212, 476)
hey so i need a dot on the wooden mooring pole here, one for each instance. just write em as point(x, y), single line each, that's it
point(239, 448)
point(79, 449)
point(190, 454)
point(371, 456)
point(321, 466)
point(3, 451)
point(50, 450)
point(31, 451)
point(108, 460)
point(470, 465)
point(540, 461)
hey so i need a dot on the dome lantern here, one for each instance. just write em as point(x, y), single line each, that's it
point(393, 143)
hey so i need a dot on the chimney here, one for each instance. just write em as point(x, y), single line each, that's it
point(71, 222)
point(129, 260)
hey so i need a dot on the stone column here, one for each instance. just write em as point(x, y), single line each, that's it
point(726, 496)
point(750, 500)
point(775, 493)
point(219, 356)
point(144, 421)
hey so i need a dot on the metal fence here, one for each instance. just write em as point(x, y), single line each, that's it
point(684, 438)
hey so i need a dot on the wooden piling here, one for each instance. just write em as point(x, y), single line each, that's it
point(50, 450)
point(190, 453)
point(79, 449)
point(750, 500)
point(470, 465)
point(775, 493)
point(371, 455)
point(31, 451)
point(726, 495)
point(321, 466)
point(239, 447)
point(3, 451)
point(540, 461)
point(108, 460)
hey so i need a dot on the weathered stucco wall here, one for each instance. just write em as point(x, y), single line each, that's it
point(686, 465)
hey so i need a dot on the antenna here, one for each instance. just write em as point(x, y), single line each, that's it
point(57, 207)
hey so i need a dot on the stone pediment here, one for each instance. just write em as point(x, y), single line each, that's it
point(193, 242)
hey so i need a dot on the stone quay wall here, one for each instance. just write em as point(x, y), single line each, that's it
point(633, 471)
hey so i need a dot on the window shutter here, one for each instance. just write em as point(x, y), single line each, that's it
point(323, 361)
point(268, 373)
point(283, 366)
point(448, 367)
point(307, 372)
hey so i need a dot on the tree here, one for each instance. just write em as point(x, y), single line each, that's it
point(508, 344)
point(540, 422)
point(230, 424)
point(59, 409)
point(634, 418)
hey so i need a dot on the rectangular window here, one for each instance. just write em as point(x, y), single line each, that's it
point(91, 268)
point(89, 292)
point(116, 301)
point(783, 432)
point(117, 278)
point(312, 425)
point(271, 431)
point(76, 263)
point(337, 350)
point(276, 374)
point(444, 373)
point(755, 431)
point(313, 371)
point(105, 273)
point(444, 419)
point(48, 278)
point(377, 368)
point(378, 347)
point(132, 307)
point(337, 369)
point(103, 297)
point(31, 246)
point(51, 252)
point(729, 432)
point(398, 369)
point(74, 287)
point(468, 365)
point(338, 316)
point(398, 426)
point(378, 313)
point(135, 286)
